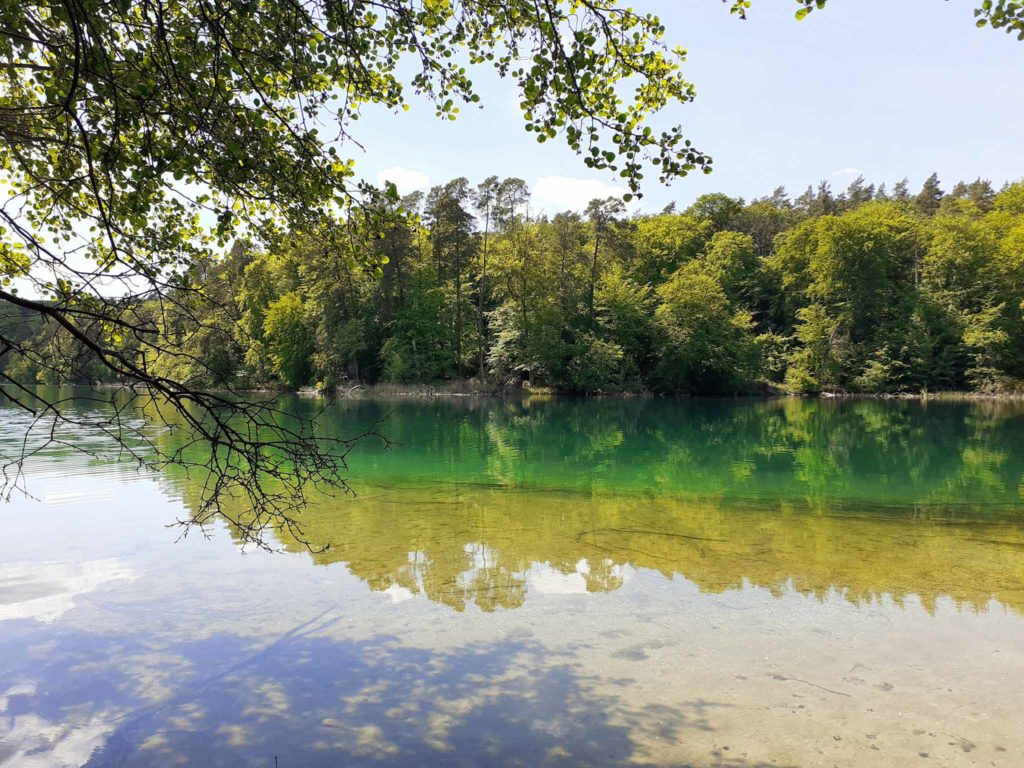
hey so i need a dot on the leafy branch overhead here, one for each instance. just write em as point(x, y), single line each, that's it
point(998, 14)
point(141, 116)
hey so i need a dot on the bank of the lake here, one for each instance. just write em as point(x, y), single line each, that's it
point(473, 388)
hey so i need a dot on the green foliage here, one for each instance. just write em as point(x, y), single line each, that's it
point(664, 243)
point(763, 220)
point(875, 297)
point(246, 132)
point(707, 345)
point(288, 339)
point(1002, 14)
point(999, 14)
point(732, 259)
point(420, 346)
point(624, 309)
point(959, 267)
point(138, 140)
point(851, 277)
point(597, 365)
point(986, 343)
point(508, 351)
point(930, 197)
point(1011, 200)
point(150, 174)
point(816, 364)
point(774, 352)
point(717, 210)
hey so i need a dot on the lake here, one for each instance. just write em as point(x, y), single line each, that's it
point(535, 582)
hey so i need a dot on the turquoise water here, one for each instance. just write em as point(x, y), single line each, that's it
point(967, 455)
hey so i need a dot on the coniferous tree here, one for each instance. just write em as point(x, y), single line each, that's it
point(824, 204)
point(451, 239)
point(930, 197)
point(901, 190)
point(980, 192)
point(804, 202)
point(858, 193)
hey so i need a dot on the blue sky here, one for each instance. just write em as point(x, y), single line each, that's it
point(884, 88)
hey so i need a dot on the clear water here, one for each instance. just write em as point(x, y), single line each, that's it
point(540, 582)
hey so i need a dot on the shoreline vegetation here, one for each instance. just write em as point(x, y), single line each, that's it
point(863, 293)
point(470, 388)
point(457, 389)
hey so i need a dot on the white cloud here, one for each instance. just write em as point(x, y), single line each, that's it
point(46, 591)
point(32, 742)
point(561, 193)
point(406, 179)
point(846, 175)
point(399, 594)
point(545, 580)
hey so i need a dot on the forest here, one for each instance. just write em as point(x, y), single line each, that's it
point(864, 290)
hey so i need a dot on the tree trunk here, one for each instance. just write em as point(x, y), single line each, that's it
point(458, 317)
point(482, 289)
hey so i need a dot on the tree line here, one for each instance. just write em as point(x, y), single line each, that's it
point(867, 290)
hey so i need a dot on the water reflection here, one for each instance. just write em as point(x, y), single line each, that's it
point(537, 583)
point(45, 591)
point(483, 501)
point(492, 548)
point(962, 454)
point(510, 702)
point(185, 668)
point(868, 450)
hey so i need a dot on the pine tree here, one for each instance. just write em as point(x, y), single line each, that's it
point(779, 198)
point(928, 199)
point(824, 203)
point(980, 192)
point(451, 237)
point(804, 202)
point(859, 193)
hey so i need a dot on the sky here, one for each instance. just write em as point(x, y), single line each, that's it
point(875, 87)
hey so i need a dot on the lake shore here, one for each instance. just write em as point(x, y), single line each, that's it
point(474, 389)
